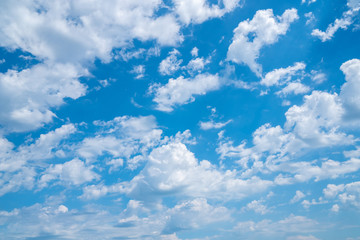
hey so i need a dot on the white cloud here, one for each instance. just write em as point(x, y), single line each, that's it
point(343, 23)
point(73, 172)
point(345, 193)
point(170, 64)
point(198, 11)
point(194, 214)
point(123, 137)
point(335, 208)
point(265, 29)
point(92, 222)
point(81, 30)
point(283, 75)
point(298, 196)
point(307, 204)
point(31, 93)
point(18, 167)
point(173, 169)
point(294, 88)
point(312, 125)
point(318, 77)
point(213, 125)
point(257, 206)
point(307, 1)
point(115, 164)
point(291, 224)
point(302, 237)
point(139, 71)
point(304, 171)
point(350, 93)
point(197, 65)
point(310, 17)
point(181, 90)
point(317, 120)
point(353, 4)
point(194, 52)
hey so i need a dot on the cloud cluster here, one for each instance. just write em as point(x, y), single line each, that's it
point(319, 122)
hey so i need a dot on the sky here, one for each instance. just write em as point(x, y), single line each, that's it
point(180, 119)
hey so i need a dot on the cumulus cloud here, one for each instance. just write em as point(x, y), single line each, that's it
point(345, 193)
point(304, 171)
point(194, 214)
point(257, 206)
point(298, 196)
point(350, 93)
point(251, 35)
point(293, 88)
point(173, 169)
point(123, 137)
point(19, 166)
point(31, 93)
point(196, 65)
point(288, 78)
point(73, 172)
point(182, 90)
point(314, 124)
point(66, 37)
point(81, 30)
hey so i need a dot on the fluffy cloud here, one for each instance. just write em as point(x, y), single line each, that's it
point(173, 169)
point(170, 64)
point(304, 171)
point(19, 167)
point(350, 93)
point(251, 35)
point(73, 172)
point(345, 193)
point(181, 90)
point(257, 207)
point(198, 11)
point(66, 37)
point(314, 124)
point(282, 75)
point(342, 23)
point(298, 196)
point(52, 221)
point(31, 93)
point(80, 30)
point(293, 88)
point(193, 214)
point(123, 137)
point(317, 120)
point(196, 65)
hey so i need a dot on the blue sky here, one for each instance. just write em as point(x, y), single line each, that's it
point(180, 119)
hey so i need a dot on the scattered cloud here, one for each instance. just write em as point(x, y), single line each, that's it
point(182, 90)
point(251, 35)
point(343, 23)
